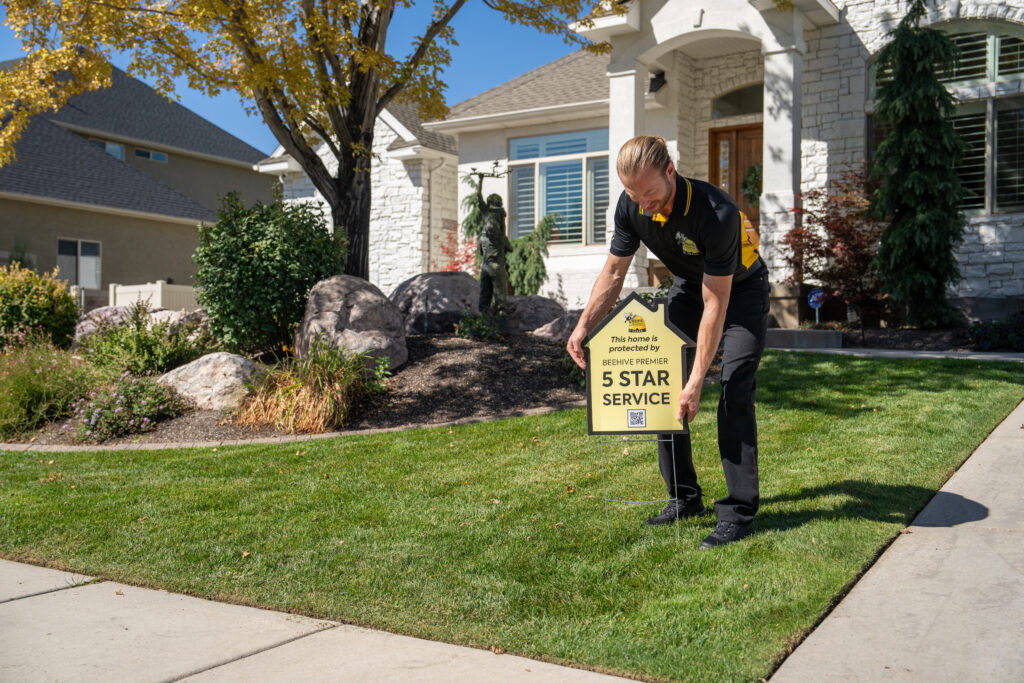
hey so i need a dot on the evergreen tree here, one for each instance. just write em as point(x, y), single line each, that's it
point(526, 269)
point(919, 190)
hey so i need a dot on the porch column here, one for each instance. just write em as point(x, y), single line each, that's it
point(781, 154)
point(626, 89)
point(627, 85)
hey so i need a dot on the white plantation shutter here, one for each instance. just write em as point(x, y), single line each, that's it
point(1009, 192)
point(521, 192)
point(970, 124)
point(597, 198)
point(561, 185)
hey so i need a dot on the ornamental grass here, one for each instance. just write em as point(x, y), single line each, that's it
point(312, 395)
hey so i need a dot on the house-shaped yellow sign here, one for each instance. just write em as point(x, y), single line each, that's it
point(636, 367)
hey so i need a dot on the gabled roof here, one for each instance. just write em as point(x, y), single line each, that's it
point(578, 77)
point(55, 164)
point(409, 116)
point(131, 109)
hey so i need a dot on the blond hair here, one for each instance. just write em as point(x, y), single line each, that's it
point(641, 153)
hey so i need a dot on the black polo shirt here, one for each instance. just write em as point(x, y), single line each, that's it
point(703, 234)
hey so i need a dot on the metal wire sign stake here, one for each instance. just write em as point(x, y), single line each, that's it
point(636, 366)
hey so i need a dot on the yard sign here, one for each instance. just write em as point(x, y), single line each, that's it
point(636, 367)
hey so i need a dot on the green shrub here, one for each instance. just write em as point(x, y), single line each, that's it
point(40, 383)
point(526, 269)
point(140, 346)
point(132, 405)
point(484, 325)
point(255, 268)
point(992, 335)
point(36, 300)
point(315, 394)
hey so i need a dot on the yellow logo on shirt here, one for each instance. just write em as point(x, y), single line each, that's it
point(689, 246)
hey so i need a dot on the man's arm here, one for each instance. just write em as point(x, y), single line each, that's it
point(606, 290)
point(715, 290)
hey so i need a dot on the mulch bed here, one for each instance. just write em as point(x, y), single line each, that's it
point(448, 378)
point(445, 379)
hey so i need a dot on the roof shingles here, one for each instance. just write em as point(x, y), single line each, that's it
point(57, 164)
point(578, 77)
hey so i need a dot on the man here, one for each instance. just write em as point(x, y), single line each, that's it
point(720, 293)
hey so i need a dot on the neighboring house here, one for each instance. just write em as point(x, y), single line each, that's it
point(112, 187)
point(731, 84)
point(414, 192)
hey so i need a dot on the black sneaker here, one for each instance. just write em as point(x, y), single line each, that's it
point(678, 509)
point(725, 532)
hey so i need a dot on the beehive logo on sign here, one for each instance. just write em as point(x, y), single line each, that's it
point(636, 323)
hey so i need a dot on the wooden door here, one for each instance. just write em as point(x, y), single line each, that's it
point(733, 152)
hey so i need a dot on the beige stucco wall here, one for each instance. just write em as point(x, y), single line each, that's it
point(204, 181)
point(133, 250)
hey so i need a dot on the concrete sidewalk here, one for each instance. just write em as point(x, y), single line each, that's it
point(56, 626)
point(945, 602)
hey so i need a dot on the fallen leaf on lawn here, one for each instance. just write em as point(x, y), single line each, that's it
point(327, 476)
point(423, 533)
point(494, 648)
point(745, 586)
point(535, 439)
point(625, 451)
point(570, 489)
point(494, 501)
point(50, 462)
point(341, 542)
point(246, 553)
point(814, 540)
point(906, 531)
point(558, 525)
point(589, 496)
point(143, 519)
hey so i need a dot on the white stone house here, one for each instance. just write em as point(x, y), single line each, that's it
point(734, 83)
point(413, 203)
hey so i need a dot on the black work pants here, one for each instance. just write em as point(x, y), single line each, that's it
point(746, 322)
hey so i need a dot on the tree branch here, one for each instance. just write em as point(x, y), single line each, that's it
point(421, 51)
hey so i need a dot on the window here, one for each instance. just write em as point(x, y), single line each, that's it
point(565, 174)
point(152, 156)
point(79, 262)
point(992, 128)
point(112, 148)
point(748, 100)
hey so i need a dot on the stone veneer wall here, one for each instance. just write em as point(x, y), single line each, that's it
point(411, 203)
point(835, 107)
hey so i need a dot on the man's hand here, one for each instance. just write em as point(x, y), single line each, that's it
point(575, 347)
point(689, 402)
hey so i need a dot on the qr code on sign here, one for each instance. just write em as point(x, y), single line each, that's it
point(637, 418)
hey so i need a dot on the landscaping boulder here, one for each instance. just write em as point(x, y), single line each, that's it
point(434, 302)
point(349, 313)
point(527, 313)
point(559, 329)
point(89, 323)
point(214, 382)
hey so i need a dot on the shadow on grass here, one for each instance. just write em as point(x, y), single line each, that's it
point(889, 503)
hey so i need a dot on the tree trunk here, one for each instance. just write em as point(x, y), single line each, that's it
point(353, 216)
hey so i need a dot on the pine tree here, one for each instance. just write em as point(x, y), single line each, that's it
point(526, 269)
point(919, 191)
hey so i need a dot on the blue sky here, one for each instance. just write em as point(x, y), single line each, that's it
point(490, 52)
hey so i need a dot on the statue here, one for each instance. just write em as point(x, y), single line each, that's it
point(494, 244)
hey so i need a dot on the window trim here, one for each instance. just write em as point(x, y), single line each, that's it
point(587, 222)
point(78, 255)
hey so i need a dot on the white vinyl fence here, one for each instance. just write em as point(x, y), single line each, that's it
point(159, 294)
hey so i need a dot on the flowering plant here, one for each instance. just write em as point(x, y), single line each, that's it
point(132, 405)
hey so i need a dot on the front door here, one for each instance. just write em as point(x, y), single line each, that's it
point(734, 151)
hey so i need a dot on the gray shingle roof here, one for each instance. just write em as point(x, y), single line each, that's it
point(131, 108)
point(578, 77)
point(409, 116)
point(55, 163)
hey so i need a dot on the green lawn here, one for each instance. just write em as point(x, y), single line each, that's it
point(494, 534)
